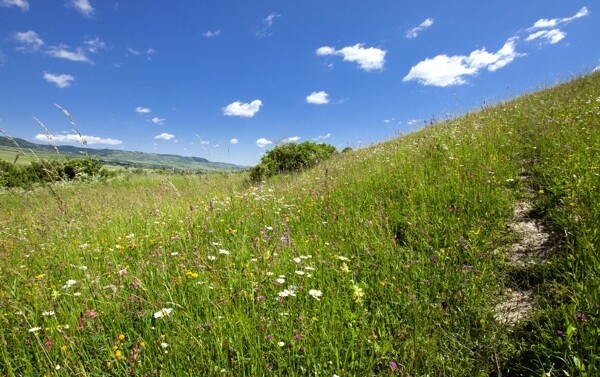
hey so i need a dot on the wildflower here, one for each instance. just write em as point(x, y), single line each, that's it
point(286, 293)
point(357, 293)
point(35, 329)
point(342, 258)
point(164, 345)
point(393, 366)
point(118, 354)
point(223, 251)
point(69, 283)
point(316, 294)
point(581, 317)
point(281, 344)
point(164, 312)
point(299, 273)
point(344, 268)
point(297, 260)
point(212, 257)
point(280, 280)
point(269, 273)
point(121, 337)
point(48, 313)
point(560, 333)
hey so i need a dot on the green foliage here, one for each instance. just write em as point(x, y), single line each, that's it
point(291, 157)
point(47, 171)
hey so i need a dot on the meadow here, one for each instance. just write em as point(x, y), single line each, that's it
point(389, 260)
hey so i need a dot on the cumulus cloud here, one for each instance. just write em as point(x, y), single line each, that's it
point(23, 4)
point(142, 110)
point(318, 98)
point(368, 59)
point(444, 70)
point(164, 136)
point(62, 80)
point(30, 40)
point(551, 23)
point(412, 33)
point(212, 34)
point(82, 6)
point(76, 138)
point(233, 141)
point(262, 142)
point(158, 121)
point(63, 52)
point(551, 36)
point(244, 110)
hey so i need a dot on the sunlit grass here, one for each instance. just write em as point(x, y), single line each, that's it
point(387, 260)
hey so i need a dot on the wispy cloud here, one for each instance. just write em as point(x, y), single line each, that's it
point(234, 141)
point(149, 52)
point(244, 110)
point(30, 41)
point(368, 59)
point(444, 70)
point(93, 45)
point(291, 139)
point(318, 98)
point(544, 23)
point(82, 6)
point(23, 4)
point(212, 34)
point(552, 36)
point(158, 121)
point(142, 110)
point(62, 80)
point(262, 142)
point(412, 33)
point(322, 137)
point(267, 23)
point(76, 138)
point(164, 136)
point(63, 52)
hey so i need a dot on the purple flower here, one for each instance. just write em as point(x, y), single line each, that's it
point(581, 317)
point(560, 333)
point(393, 366)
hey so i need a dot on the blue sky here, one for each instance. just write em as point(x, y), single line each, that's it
point(227, 80)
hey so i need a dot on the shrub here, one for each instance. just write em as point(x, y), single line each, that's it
point(291, 157)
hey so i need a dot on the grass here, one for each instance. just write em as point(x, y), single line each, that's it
point(405, 241)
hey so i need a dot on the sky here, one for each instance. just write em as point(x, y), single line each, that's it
point(229, 80)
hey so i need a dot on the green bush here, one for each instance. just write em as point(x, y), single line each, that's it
point(291, 157)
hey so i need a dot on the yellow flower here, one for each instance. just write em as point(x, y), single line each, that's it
point(121, 337)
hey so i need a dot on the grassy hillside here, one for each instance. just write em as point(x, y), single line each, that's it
point(392, 260)
point(28, 152)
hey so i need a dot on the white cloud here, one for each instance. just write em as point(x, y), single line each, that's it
point(234, 141)
point(244, 110)
point(82, 6)
point(318, 98)
point(596, 69)
point(323, 137)
point(551, 36)
point(93, 45)
point(211, 34)
point(151, 51)
point(551, 23)
point(412, 33)
point(75, 138)
point(262, 142)
point(62, 81)
point(291, 139)
point(23, 4)
point(267, 24)
point(164, 136)
point(30, 39)
point(368, 59)
point(444, 70)
point(270, 18)
point(142, 110)
point(63, 52)
point(133, 52)
point(158, 121)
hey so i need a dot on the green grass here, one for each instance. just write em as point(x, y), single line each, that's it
point(405, 240)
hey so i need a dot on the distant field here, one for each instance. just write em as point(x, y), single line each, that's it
point(390, 260)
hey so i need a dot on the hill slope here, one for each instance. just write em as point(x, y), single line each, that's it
point(392, 260)
point(8, 151)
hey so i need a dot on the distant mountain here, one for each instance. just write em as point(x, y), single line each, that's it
point(115, 157)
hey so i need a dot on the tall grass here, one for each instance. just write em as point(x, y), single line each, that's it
point(389, 260)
